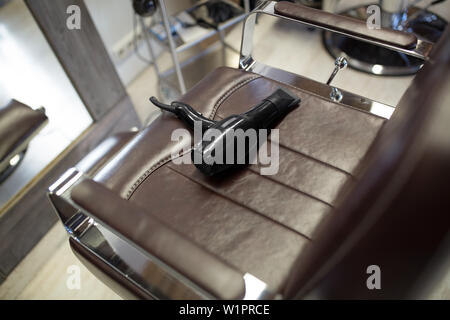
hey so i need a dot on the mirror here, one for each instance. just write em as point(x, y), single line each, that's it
point(41, 114)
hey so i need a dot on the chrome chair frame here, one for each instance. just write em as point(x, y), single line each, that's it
point(247, 62)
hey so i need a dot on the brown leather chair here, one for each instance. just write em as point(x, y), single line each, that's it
point(18, 125)
point(353, 189)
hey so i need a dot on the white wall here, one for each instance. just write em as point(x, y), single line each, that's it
point(114, 22)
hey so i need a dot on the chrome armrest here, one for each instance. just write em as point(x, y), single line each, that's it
point(420, 49)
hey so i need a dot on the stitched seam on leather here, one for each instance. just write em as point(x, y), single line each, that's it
point(239, 203)
point(229, 92)
point(165, 160)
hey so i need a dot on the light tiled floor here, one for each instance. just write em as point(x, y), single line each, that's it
point(43, 273)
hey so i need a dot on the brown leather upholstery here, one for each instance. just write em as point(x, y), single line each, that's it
point(258, 224)
point(396, 214)
point(160, 240)
point(345, 24)
point(17, 123)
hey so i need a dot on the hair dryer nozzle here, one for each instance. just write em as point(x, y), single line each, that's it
point(283, 100)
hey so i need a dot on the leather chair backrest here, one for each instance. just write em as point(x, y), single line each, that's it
point(396, 214)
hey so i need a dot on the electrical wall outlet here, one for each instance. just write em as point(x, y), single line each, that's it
point(125, 46)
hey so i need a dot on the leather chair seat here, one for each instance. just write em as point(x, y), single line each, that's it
point(258, 223)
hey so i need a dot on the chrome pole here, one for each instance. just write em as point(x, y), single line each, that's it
point(173, 51)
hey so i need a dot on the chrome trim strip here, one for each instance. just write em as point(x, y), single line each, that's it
point(58, 184)
point(255, 289)
point(321, 89)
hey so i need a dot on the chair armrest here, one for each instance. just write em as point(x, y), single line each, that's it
point(394, 40)
point(348, 25)
point(159, 240)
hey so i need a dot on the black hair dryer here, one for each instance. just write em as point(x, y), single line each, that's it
point(218, 149)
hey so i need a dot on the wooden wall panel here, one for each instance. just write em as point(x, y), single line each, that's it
point(81, 53)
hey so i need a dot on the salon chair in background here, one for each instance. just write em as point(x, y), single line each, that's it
point(18, 125)
point(356, 188)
